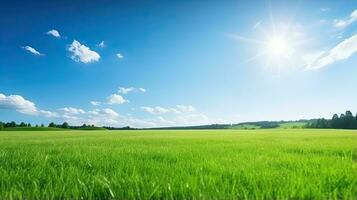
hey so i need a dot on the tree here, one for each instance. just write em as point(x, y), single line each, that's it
point(42, 125)
point(1, 126)
point(335, 121)
point(65, 125)
point(349, 120)
point(52, 125)
point(12, 124)
point(348, 114)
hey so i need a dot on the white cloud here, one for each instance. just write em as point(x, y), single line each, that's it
point(81, 53)
point(180, 115)
point(48, 114)
point(101, 44)
point(22, 105)
point(95, 103)
point(18, 103)
point(54, 33)
point(342, 51)
point(32, 50)
point(184, 108)
point(72, 111)
point(98, 117)
point(109, 113)
point(142, 90)
point(109, 117)
point(120, 56)
point(155, 110)
point(342, 23)
point(161, 110)
point(116, 99)
point(123, 90)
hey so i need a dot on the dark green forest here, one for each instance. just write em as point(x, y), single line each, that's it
point(344, 121)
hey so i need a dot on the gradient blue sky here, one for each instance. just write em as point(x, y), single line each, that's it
point(186, 62)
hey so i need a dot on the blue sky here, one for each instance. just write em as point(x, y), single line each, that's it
point(173, 63)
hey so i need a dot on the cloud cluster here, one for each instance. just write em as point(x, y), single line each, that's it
point(72, 111)
point(118, 98)
point(82, 53)
point(79, 52)
point(157, 110)
point(341, 51)
point(179, 115)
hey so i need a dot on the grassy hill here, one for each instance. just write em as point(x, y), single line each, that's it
point(292, 125)
point(244, 125)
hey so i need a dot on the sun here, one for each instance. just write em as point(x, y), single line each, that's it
point(278, 47)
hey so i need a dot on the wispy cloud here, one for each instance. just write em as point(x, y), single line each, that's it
point(342, 51)
point(142, 89)
point(32, 50)
point(95, 103)
point(120, 56)
point(123, 90)
point(257, 25)
point(342, 23)
point(101, 44)
point(325, 9)
point(82, 53)
point(54, 33)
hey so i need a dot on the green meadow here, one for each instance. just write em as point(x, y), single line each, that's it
point(169, 164)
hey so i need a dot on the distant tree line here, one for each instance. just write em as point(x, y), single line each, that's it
point(211, 126)
point(67, 126)
point(263, 124)
point(64, 125)
point(344, 121)
point(13, 124)
point(119, 128)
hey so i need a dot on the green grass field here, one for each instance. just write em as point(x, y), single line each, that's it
point(201, 164)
